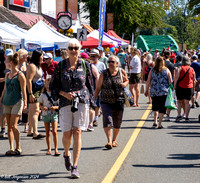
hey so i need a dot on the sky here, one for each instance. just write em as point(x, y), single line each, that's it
point(49, 7)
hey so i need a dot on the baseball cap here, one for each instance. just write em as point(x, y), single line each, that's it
point(100, 48)
point(194, 57)
point(84, 55)
point(47, 55)
point(94, 52)
point(9, 52)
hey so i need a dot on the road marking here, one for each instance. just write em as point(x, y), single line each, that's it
point(118, 163)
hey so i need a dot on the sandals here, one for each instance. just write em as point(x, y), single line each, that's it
point(48, 153)
point(57, 154)
point(160, 127)
point(154, 125)
point(115, 144)
point(39, 136)
point(16, 152)
point(108, 146)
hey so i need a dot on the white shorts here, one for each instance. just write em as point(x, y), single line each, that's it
point(79, 119)
point(14, 109)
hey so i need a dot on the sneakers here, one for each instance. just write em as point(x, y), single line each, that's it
point(95, 123)
point(178, 118)
point(74, 172)
point(187, 120)
point(68, 164)
point(2, 134)
point(167, 118)
point(90, 128)
point(196, 103)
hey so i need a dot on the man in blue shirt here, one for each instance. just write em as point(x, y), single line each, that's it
point(122, 58)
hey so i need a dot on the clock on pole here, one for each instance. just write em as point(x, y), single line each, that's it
point(64, 20)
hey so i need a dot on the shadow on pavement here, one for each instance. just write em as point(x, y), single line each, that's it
point(169, 166)
point(185, 134)
point(33, 177)
point(184, 156)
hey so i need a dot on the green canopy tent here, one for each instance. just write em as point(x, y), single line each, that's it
point(146, 42)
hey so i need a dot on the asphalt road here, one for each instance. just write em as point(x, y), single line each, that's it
point(166, 155)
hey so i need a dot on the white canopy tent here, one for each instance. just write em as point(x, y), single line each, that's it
point(107, 38)
point(24, 34)
point(42, 30)
point(8, 38)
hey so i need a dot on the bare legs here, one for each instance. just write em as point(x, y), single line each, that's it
point(76, 132)
point(108, 131)
point(13, 132)
point(156, 114)
point(55, 136)
point(33, 118)
point(136, 94)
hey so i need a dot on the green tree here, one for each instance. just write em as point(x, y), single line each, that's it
point(195, 6)
point(128, 15)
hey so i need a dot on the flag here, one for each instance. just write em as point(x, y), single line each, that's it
point(102, 11)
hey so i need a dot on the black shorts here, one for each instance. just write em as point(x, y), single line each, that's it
point(134, 78)
point(111, 117)
point(184, 93)
point(158, 103)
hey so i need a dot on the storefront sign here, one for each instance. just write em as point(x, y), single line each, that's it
point(22, 3)
point(34, 6)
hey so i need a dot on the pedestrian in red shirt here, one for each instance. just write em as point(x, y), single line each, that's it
point(48, 65)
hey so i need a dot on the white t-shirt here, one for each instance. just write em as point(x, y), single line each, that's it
point(45, 102)
point(136, 65)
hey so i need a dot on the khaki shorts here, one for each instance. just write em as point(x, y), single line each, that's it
point(79, 119)
point(134, 78)
point(14, 109)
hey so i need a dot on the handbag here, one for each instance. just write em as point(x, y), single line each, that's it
point(129, 100)
point(171, 100)
point(38, 85)
point(142, 89)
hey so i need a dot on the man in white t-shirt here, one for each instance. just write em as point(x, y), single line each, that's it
point(135, 75)
point(94, 56)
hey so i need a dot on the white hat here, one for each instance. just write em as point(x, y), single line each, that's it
point(47, 55)
point(94, 52)
point(9, 52)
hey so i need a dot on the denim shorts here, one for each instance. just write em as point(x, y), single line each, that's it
point(50, 118)
point(111, 117)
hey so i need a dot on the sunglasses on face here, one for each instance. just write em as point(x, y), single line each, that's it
point(71, 48)
point(93, 56)
point(111, 61)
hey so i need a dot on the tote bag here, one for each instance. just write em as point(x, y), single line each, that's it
point(129, 100)
point(171, 100)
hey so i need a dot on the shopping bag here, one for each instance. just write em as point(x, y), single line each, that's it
point(129, 100)
point(142, 89)
point(171, 100)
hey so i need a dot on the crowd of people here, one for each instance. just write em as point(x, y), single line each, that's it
point(76, 86)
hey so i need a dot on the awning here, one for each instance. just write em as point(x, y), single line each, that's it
point(88, 27)
point(112, 33)
point(94, 43)
point(31, 19)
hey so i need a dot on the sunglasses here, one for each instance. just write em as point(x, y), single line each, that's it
point(93, 56)
point(71, 48)
point(110, 61)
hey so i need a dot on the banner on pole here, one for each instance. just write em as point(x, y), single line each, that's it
point(102, 11)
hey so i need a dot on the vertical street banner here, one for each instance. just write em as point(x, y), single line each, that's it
point(102, 11)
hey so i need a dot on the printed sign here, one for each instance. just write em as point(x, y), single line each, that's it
point(82, 34)
point(34, 6)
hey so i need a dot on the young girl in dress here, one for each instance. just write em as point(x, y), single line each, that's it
point(49, 109)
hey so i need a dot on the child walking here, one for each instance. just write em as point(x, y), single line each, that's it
point(49, 116)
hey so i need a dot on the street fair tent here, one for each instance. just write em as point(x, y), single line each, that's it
point(112, 33)
point(8, 38)
point(42, 30)
point(29, 39)
point(93, 43)
point(146, 42)
point(95, 34)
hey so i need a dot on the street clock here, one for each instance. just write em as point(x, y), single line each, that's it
point(64, 20)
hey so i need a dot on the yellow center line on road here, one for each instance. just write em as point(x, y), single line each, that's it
point(118, 163)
